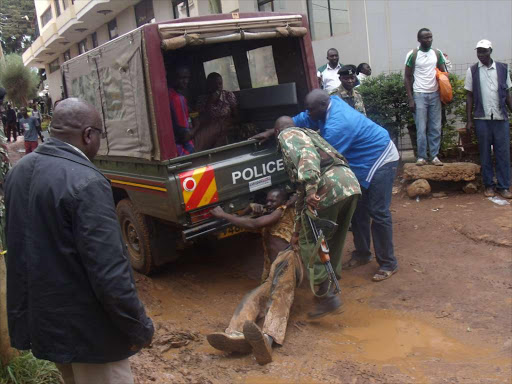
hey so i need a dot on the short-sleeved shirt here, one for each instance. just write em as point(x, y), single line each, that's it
point(488, 89)
point(29, 125)
point(329, 76)
point(425, 70)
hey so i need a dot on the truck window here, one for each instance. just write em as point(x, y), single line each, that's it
point(262, 67)
point(226, 68)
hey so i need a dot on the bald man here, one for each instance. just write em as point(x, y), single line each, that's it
point(373, 157)
point(70, 290)
point(325, 184)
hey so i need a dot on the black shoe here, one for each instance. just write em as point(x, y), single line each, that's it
point(261, 344)
point(326, 305)
point(229, 343)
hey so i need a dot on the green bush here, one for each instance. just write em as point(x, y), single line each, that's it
point(26, 369)
point(385, 100)
point(19, 81)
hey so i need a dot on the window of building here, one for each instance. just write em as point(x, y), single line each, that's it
point(226, 68)
point(328, 18)
point(266, 5)
point(215, 6)
point(144, 12)
point(94, 38)
point(82, 46)
point(183, 4)
point(112, 29)
point(67, 55)
point(46, 16)
point(54, 65)
point(57, 7)
point(262, 67)
point(64, 4)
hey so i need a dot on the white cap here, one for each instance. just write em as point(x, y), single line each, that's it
point(484, 44)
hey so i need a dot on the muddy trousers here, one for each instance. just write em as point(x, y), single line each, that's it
point(341, 213)
point(272, 299)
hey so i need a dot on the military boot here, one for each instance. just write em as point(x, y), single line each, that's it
point(328, 304)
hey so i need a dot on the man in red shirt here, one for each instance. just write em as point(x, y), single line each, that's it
point(181, 122)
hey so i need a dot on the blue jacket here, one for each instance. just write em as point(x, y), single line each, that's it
point(363, 143)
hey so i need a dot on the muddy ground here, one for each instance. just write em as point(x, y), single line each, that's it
point(445, 317)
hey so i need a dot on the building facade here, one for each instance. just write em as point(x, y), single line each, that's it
point(378, 32)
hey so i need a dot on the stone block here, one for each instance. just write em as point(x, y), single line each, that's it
point(420, 187)
point(448, 172)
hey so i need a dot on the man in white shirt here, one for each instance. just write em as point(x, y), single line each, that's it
point(328, 74)
point(488, 89)
point(423, 94)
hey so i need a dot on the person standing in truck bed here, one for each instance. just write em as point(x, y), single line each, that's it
point(181, 122)
point(217, 112)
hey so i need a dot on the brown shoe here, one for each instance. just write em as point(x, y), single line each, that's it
point(489, 192)
point(229, 343)
point(261, 345)
point(505, 193)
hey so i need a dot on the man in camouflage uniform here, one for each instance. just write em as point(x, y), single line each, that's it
point(346, 90)
point(324, 183)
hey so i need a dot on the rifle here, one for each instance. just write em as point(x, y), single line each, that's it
point(323, 252)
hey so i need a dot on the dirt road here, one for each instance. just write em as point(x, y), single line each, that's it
point(446, 317)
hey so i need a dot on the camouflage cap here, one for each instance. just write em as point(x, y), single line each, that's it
point(347, 69)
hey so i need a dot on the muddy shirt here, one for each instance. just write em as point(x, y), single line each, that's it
point(302, 149)
point(352, 98)
point(282, 229)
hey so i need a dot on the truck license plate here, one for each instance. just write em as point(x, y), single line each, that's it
point(229, 231)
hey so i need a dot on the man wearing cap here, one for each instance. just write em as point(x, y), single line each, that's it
point(488, 89)
point(423, 95)
point(328, 74)
point(346, 90)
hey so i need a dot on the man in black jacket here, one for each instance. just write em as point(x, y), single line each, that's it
point(71, 296)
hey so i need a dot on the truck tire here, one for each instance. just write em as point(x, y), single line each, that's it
point(135, 231)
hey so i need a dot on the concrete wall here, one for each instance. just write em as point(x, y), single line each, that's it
point(162, 10)
point(126, 21)
point(54, 83)
point(393, 25)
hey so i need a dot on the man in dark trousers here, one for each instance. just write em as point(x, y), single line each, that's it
point(488, 89)
point(71, 295)
point(10, 126)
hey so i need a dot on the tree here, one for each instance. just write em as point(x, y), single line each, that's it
point(19, 81)
point(17, 25)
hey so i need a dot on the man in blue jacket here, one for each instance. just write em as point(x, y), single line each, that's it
point(373, 158)
point(71, 296)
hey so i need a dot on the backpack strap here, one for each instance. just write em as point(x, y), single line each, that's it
point(414, 54)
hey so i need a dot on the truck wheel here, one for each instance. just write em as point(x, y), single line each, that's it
point(136, 236)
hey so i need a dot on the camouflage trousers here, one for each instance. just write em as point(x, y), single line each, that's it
point(272, 299)
point(341, 213)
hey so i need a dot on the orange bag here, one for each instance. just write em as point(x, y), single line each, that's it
point(445, 88)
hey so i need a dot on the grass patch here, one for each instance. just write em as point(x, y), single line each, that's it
point(26, 369)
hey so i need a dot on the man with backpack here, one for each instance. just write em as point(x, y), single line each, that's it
point(423, 95)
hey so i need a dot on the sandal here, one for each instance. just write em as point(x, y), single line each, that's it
point(354, 263)
point(382, 275)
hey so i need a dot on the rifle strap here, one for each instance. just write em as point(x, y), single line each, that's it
point(312, 257)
